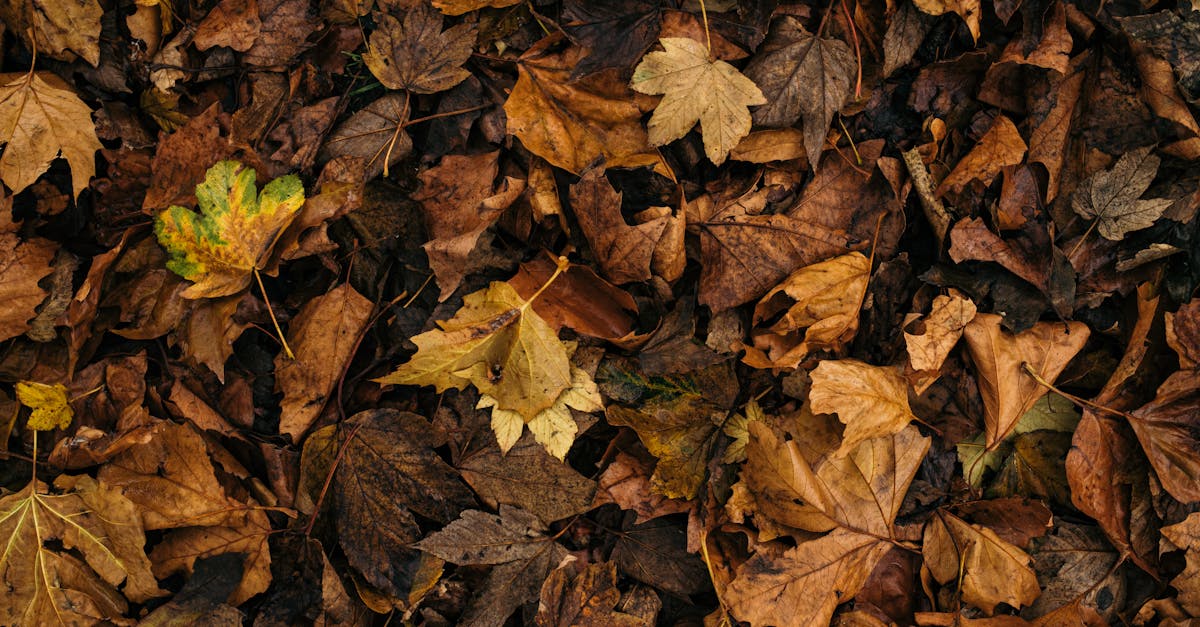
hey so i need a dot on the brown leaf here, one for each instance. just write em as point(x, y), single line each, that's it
point(1167, 430)
point(1111, 198)
point(610, 311)
point(586, 600)
point(1183, 333)
point(22, 265)
point(803, 585)
point(180, 549)
point(375, 134)
point(1076, 561)
point(459, 7)
point(775, 144)
point(991, 571)
point(872, 401)
point(616, 34)
point(573, 124)
point(323, 335)
point(286, 25)
point(1000, 357)
point(43, 118)
point(968, 10)
point(655, 553)
point(60, 30)
point(803, 77)
point(626, 482)
point(417, 55)
point(1001, 146)
point(1186, 535)
point(624, 252)
point(182, 158)
point(232, 23)
point(930, 340)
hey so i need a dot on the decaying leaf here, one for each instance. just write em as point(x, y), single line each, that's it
point(695, 89)
point(586, 600)
point(1111, 198)
point(416, 55)
point(872, 401)
point(222, 246)
point(58, 29)
point(43, 118)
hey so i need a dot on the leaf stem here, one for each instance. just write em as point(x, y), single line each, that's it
point(1082, 239)
point(562, 264)
point(707, 36)
point(287, 350)
point(1071, 397)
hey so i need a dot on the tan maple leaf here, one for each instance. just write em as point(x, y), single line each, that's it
point(696, 88)
point(872, 401)
point(1111, 198)
point(40, 119)
point(416, 54)
point(55, 28)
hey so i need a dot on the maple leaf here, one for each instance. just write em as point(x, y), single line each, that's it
point(930, 341)
point(1111, 197)
point(696, 88)
point(57, 29)
point(223, 246)
point(587, 599)
point(51, 408)
point(553, 427)
point(459, 7)
point(802, 76)
point(41, 118)
point(498, 343)
point(872, 401)
point(99, 539)
point(416, 55)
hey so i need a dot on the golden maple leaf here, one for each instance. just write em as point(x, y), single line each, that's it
point(51, 408)
point(696, 88)
point(220, 248)
point(42, 118)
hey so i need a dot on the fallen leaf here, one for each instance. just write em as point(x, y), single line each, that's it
point(1186, 536)
point(43, 118)
point(572, 124)
point(803, 77)
point(625, 253)
point(696, 89)
point(496, 342)
point(375, 134)
point(610, 312)
point(232, 23)
point(182, 159)
point(990, 570)
point(416, 55)
point(932, 338)
point(626, 482)
point(51, 408)
point(1166, 429)
point(553, 427)
point(655, 553)
point(180, 549)
point(1001, 146)
point(220, 248)
point(872, 401)
point(1052, 412)
point(60, 30)
point(813, 309)
point(323, 335)
point(968, 10)
point(1025, 255)
point(459, 7)
point(587, 599)
point(1075, 561)
point(615, 33)
point(1183, 333)
point(1111, 198)
point(286, 26)
point(1000, 358)
point(65, 554)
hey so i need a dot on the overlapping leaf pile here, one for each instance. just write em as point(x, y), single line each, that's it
point(633, 312)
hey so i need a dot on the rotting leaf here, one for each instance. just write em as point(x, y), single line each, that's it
point(417, 55)
point(696, 88)
point(1111, 198)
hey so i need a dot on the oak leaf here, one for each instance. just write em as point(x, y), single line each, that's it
point(1000, 357)
point(417, 55)
point(1111, 197)
point(990, 570)
point(499, 344)
point(803, 77)
point(43, 118)
point(695, 89)
point(872, 401)
point(232, 236)
point(65, 554)
point(51, 408)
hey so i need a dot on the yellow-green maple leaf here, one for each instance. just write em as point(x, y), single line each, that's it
point(499, 344)
point(222, 246)
point(554, 427)
point(696, 88)
point(50, 405)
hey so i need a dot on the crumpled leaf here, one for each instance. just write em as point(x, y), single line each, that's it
point(1008, 390)
point(65, 554)
point(553, 427)
point(992, 571)
point(417, 55)
point(499, 344)
point(59, 29)
point(872, 401)
point(1001, 146)
point(695, 89)
point(222, 246)
point(51, 408)
point(587, 599)
point(821, 300)
point(803, 77)
point(625, 253)
point(969, 10)
point(1166, 428)
point(44, 118)
point(1111, 197)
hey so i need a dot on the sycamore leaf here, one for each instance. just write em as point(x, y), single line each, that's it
point(805, 77)
point(587, 599)
point(221, 247)
point(58, 29)
point(696, 88)
point(51, 408)
point(42, 118)
point(65, 554)
point(872, 401)
point(498, 343)
point(459, 7)
point(738, 428)
point(553, 427)
point(990, 570)
point(416, 55)
point(1111, 197)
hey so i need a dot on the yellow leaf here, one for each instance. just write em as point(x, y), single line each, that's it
point(51, 408)
point(459, 7)
point(499, 344)
point(696, 88)
point(219, 248)
point(990, 570)
point(554, 427)
point(55, 28)
point(42, 118)
point(872, 401)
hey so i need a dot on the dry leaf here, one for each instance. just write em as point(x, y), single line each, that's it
point(1111, 198)
point(43, 118)
point(553, 427)
point(51, 408)
point(991, 571)
point(220, 248)
point(932, 339)
point(416, 55)
point(59, 29)
point(625, 253)
point(232, 23)
point(459, 7)
point(968, 10)
point(588, 599)
point(375, 134)
point(872, 401)
point(1186, 536)
point(1001, 146)
point(1166, 428)
point(803, 77)
point(696, 89)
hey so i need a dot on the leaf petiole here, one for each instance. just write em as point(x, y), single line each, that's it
point(287, 350)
